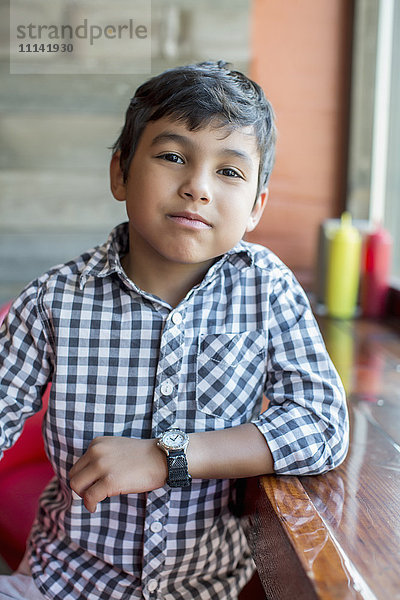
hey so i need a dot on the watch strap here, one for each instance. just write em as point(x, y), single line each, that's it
point(178, 473)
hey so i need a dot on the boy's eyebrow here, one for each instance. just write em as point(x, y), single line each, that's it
point(167, 136)
point(238, 154)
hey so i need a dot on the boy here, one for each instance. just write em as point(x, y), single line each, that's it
point(159, 346)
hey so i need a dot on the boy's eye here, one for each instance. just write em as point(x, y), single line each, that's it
point(228, 172)
point(171, 157)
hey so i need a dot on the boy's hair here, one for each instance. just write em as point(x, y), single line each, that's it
point(197, 94)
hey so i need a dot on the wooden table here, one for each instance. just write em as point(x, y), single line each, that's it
point(337, 536)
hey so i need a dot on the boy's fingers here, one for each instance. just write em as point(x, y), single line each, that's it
point(80, 464)
point(97, 492)
point(82, 478)
point(93, 453)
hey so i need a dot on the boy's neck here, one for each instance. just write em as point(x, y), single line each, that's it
point(169, 281)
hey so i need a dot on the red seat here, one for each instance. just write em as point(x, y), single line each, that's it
point(24, 472)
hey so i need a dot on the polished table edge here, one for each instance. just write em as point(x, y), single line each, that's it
point(301, 558)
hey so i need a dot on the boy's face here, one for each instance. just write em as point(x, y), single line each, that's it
point(190, 195)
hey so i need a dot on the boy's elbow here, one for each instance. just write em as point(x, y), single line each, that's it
point(330, 458)
point(333, 439)
point(332, 450)
point(327, 450)
point(340, 448)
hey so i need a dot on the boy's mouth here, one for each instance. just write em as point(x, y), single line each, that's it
point(192, 220)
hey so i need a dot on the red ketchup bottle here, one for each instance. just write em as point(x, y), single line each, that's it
point(375, 273)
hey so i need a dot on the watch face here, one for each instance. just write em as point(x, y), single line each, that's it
point(174, 439)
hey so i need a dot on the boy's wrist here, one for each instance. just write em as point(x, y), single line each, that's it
point(160, 461)
point(195, 455)
point(174, 442)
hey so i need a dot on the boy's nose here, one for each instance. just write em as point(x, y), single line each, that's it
point(196, 189)
point(205, 199)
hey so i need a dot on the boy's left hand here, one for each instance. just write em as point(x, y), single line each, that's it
point(117, 465)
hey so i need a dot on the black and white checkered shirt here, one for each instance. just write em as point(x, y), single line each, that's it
point(123, 363)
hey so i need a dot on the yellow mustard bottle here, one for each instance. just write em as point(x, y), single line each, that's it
point(343, 270)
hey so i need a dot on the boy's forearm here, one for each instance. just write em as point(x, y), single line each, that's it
point(229, 453)
point(122, 465)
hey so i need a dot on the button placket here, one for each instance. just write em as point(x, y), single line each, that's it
point(155, 535)
point(167, 378)
point(164, 414)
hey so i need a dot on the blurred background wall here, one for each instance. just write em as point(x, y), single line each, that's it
point(55, 130)
point(301, 55)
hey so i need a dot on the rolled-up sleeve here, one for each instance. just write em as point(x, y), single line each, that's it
point(306, 424)
point(25, 365)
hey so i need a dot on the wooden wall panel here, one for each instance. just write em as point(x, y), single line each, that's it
point(301, 55)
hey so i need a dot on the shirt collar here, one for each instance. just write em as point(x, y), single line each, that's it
point(241, 255)
point(106, 259)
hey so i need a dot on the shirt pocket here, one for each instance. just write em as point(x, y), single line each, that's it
point(230, 374)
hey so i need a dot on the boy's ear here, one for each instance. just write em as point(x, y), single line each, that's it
point(257, 211)
point(117, 184)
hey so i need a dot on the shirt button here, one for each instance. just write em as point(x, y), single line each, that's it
point(167, 387)
point(177, 318)
point(152, 585)
point(156, 526)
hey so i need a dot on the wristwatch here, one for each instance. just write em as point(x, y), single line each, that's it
point(174, 442)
